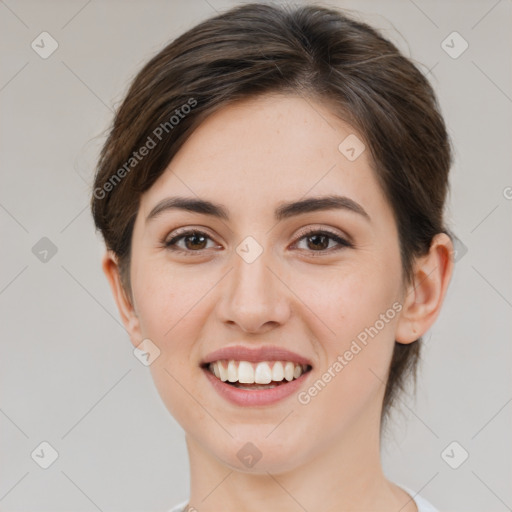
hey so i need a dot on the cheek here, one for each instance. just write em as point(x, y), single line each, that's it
point(357, 314)
point(168, 306)
point(345, 301)
point(164, 296)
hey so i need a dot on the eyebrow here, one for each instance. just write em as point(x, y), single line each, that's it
point(285, 210)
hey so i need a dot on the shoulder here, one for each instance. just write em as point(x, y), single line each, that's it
point(422, 504)
point(180, 507)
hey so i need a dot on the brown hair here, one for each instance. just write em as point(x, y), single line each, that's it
point(310, 50)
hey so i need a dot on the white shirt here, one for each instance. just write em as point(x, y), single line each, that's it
point(422, 504)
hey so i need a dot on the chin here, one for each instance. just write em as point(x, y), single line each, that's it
point(258, 453)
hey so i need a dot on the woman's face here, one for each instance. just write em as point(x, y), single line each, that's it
point(256, 280)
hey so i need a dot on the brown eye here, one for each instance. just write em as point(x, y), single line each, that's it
point(318, 241)
point(194, 241)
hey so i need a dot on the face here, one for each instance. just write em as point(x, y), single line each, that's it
point(315, 282)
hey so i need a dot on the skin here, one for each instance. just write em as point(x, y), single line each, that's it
point(313, 300)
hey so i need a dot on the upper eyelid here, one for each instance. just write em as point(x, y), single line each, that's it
point(318, 228)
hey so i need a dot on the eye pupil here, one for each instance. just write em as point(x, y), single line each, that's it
point(316, 237)
point(196, 236)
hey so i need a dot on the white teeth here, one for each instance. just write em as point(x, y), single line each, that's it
point(223, 371)
point(278, 371)
point(245, 373)
point(288, 371)
point(263, 372)
point(232, 372)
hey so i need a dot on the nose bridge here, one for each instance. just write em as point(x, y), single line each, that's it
point(251, 277)
point(254, 295)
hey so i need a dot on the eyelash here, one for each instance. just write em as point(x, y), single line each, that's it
point(184, 234)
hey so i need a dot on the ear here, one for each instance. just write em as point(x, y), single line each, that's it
point(424, 297)
point(126, 309)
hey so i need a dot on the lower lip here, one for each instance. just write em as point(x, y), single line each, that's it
point(247, 397)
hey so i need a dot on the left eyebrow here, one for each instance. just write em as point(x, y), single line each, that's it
point(285, 210)
point(314, 204)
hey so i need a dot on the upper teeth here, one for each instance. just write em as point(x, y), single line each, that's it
point(259, 373)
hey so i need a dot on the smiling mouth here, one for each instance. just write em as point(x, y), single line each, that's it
point(255, 376)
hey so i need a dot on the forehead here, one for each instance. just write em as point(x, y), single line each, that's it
point(257, 152)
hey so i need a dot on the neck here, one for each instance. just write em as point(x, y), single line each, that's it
point(345, 474)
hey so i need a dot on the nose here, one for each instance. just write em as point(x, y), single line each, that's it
point(254, 296)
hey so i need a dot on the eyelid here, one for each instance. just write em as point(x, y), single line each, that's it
point(315, 228)
point(186, 230)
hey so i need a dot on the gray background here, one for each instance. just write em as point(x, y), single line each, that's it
point(67, 372)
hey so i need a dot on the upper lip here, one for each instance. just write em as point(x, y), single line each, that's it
point(255, 355)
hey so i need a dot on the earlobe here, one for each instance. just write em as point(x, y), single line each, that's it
point(126, 309)
point(424, 297)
